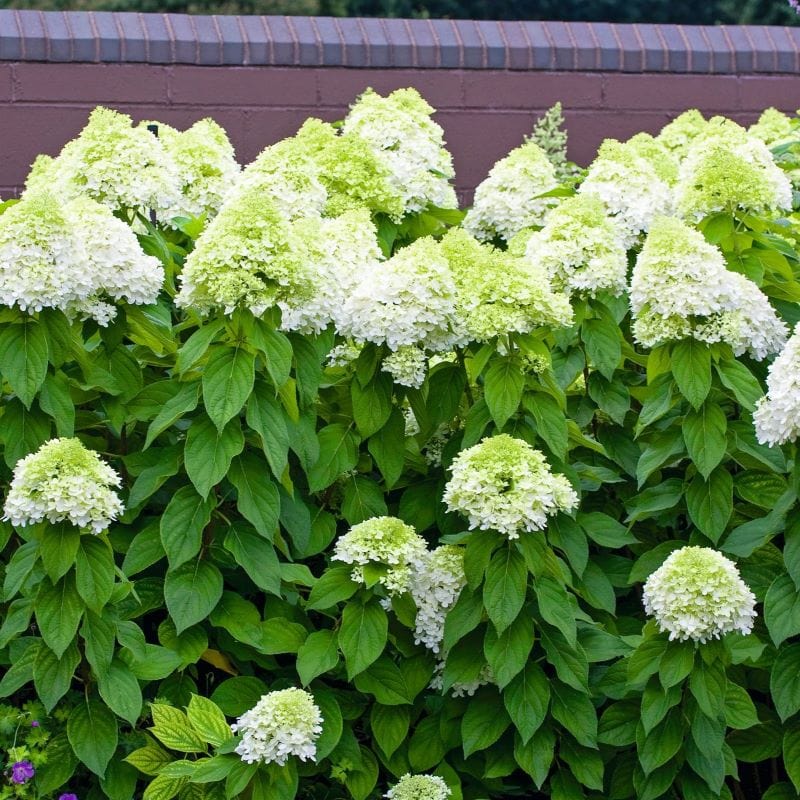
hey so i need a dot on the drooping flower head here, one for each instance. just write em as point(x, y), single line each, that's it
point(63, 481)
point(205, 164)
point(581, 248)
point(410, 299)
point(116, 164)
point(246, 257)
point(382, 542)
point(629, 187)
point(504, 484)
point(681, 289)
point(726, 169)
point(698, 594)
point(283, 723)
point(74, 256)
point(337, 253)
point(777, 415)
point(509, 199)
point(419, 787)
point(401, 133)
point(436, 583)
point(679, 134)
point(499, 293)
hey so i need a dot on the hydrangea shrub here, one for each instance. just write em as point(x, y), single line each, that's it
point(316, 486)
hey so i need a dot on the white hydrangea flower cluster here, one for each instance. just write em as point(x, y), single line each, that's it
point(114, 163)
point(419, 787)
point(409, 299)
point(682, 289)
point(504, 484)
point(629, 187)
point(205, 165)
point(283, 723)
point(775, 128)
point(74, 256)
point(63, 482)
point(677, 135)
point(499, 293)
point(777, 414)
point(248, 256)
point(403, 136)
point(581, 248)
point(337, 252)
point(407, 365)
point(437, 581)
point(726, 168)
point(509, 199)
point(698, 594)
point(382, 541)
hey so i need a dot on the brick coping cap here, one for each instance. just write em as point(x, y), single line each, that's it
point(128, 37)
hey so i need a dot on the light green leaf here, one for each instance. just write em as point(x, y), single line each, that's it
point(207, 719)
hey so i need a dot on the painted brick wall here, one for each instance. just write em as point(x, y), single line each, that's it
point(260, 77)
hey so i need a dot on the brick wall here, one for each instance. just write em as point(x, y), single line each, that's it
point(260, 77)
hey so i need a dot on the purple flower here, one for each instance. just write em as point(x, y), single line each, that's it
point(68, 796)
point(22, 772)
point(34, 723)
point(795, 4)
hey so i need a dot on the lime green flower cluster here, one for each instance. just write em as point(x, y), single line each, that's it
point(581, 248)
point(726, 169)
point(402, 135)
point(656, 154)
point(677, 135)
point(775, 128)
point(419, 787)
point(499, 293)
point(509, 199)
point(248, 256)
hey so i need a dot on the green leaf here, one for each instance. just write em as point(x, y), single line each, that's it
point(317, 655)
point(120, 691)
point(551, 424)
point(209, 452)
point(94, 572)
point(387, 447)
point(555, 606)
point(740, 711)
point(505, 587)
point(707, 684)
point(791, 753)
point(173, 409)
point(691, 367)
point(484, 722)
point(236, 695)
point(56, 401)
point(704, 434)
point(22, 431)
point(618, 724)
point(207, 719)
point(195, 347)
point(676, 663)
point(605, 530)
point(385, 682)
point(603, 344)
point(575, 711)
point(536, 756)
point(92, 732)
point(278, 635)
point(503, 387)
point(182, 525)
point(526, 699)
point(277, 351)
point(227, 382)
point(362, 635)
point(660, 451)
point(58, 612)
point(508, 652)
point(744, 386)
point(782, 609)
point(362, 500)
point(571, 664)
point(52, 676)
point(257, 496)
point(662, 743)
point(191, 592)
point(710, 502)
point(150, 759)
point(58, 548)
point(338, 453)
point(172, 728)
point(389, 725)
point(784, 681)
point(333, 587)
point(23, 358)
point(372, 404)
point(264, 415)
point(256, 556)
